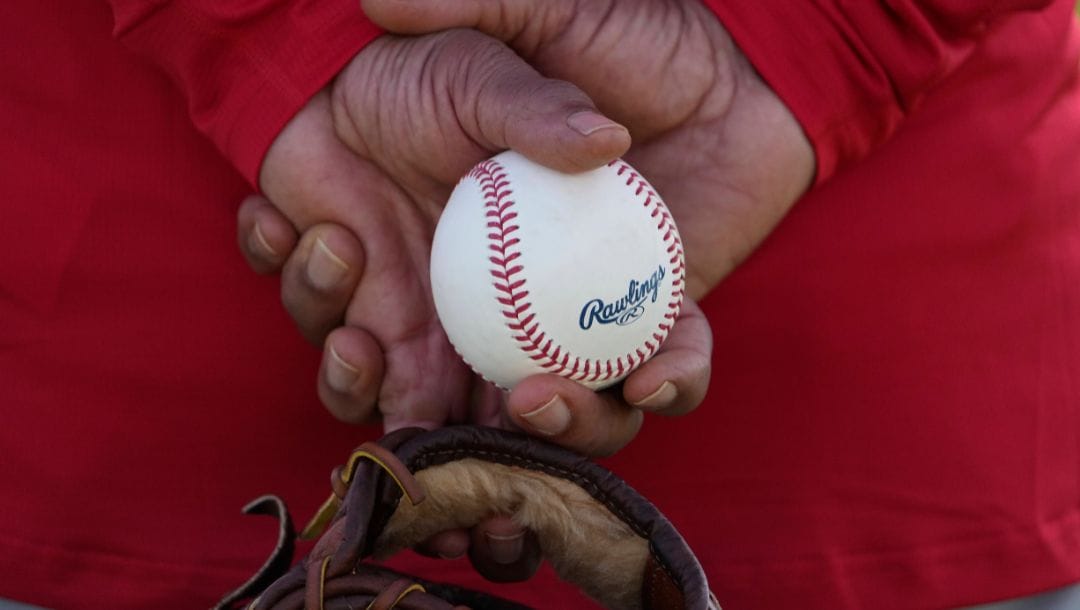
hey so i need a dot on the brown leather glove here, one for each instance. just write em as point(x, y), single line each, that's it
point(595, 530)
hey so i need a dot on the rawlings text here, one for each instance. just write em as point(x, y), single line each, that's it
point(627, 308)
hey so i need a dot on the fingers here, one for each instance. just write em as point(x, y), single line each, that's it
point(319, 274)
point(499, 549)
point(351, 374)
point(450, 544)
point(265, 236)
point(503, 551)
point(503, 103)
point(673, 382)
point(319, 279)
point(552, 122)
point(569, 414)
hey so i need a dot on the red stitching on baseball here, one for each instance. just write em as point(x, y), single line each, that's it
point(498, 204)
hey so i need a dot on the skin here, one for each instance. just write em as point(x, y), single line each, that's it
point(716, 142)
point(723, 150)
point(431, 108)
point(365, 195)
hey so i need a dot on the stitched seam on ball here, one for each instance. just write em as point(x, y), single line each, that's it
point(509, 280)
point(665, 224)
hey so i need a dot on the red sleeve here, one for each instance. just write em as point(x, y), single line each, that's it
point(245, 67)
point(851, 71)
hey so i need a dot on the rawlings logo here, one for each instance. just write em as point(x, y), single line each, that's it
point(626, 309)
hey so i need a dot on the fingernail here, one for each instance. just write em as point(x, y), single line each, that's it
point(257, 241)
point(551, 418)
point(587, 122)
point(662, 397)
point(340, 375)
point(505, 549)
point(453, 555)
point(325, 270)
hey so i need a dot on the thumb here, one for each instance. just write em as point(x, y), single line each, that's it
point(502, 102)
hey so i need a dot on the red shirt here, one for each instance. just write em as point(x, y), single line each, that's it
point(893, 416)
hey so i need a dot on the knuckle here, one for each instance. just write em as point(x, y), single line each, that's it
point(346, 407)
point(311, 322)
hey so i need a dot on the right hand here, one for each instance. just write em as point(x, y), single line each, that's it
point(722, 149)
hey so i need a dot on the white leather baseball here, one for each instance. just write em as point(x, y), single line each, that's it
point(535, 271)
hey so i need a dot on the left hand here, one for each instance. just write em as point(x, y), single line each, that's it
point(377, 153)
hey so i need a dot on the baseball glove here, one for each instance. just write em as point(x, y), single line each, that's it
point(593, 528)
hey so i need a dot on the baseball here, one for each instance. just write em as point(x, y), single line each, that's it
point(536, 271)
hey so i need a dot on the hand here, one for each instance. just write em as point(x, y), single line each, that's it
point(728, 157)
point(377, 153)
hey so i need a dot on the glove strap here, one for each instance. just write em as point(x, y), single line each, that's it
point(342, 477)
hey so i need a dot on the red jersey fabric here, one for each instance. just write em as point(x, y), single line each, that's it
point(893, 416)
point(894, 411)
point(150, 383)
